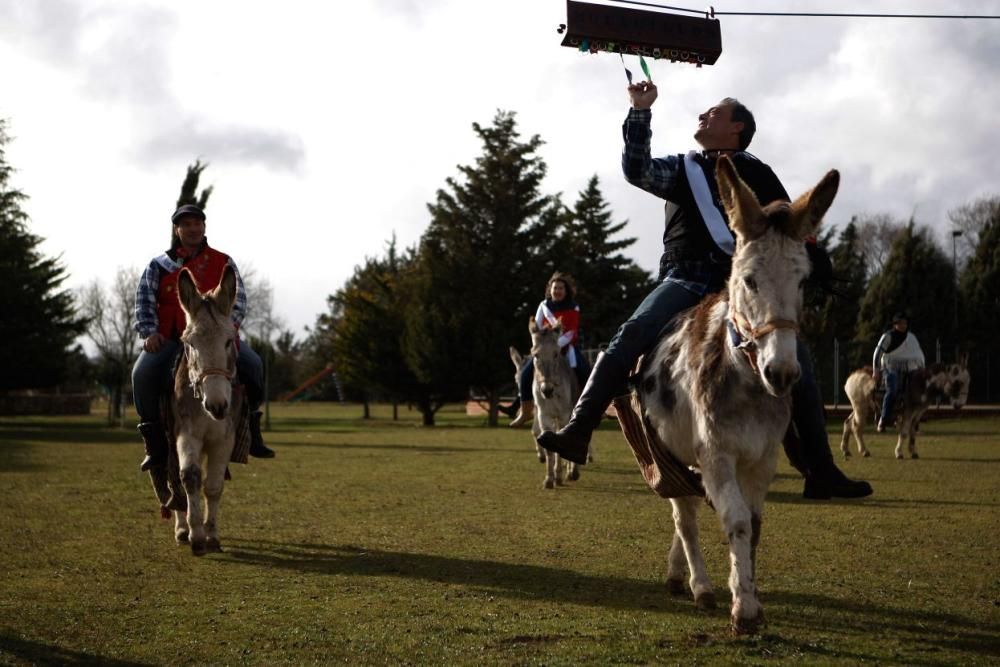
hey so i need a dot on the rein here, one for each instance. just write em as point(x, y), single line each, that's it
point(747, 342)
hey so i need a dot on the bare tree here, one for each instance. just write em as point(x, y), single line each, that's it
point(262, 322)
point(261, 319)
point(111, 314)
point(970, 220)
point(876, 233)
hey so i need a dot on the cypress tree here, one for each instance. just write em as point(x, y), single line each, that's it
point(39, 321)
point(490, 235)
point(609, 285)
point(918, 280)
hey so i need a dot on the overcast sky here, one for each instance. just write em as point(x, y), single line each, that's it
point(329, 126)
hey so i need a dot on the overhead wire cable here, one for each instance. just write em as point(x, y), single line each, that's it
point(715, 12)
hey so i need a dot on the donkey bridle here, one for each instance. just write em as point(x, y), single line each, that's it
point(204, 373)
point(748, 341)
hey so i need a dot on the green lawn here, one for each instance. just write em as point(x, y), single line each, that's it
point(385, 542)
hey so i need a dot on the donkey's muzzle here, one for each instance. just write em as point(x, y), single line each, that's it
point(217, 410)
point(781, 377)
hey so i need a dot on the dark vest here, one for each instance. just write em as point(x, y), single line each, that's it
point(685, 236)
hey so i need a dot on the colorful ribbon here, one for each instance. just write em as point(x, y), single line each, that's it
point(628, 74)
point(645, 69)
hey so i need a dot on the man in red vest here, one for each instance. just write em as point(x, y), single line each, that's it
point(160, 322)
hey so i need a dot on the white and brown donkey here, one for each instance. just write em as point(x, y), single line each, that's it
point(205, 418)
point(555, 390)
point(717, 391)
point(937, 383)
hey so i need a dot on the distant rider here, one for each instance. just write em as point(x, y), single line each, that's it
point(898, 352)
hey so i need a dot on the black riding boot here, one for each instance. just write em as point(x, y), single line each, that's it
point(511, 409)
point(155, 439)
point(257, 447)
point(606, 381)
point(808, 447)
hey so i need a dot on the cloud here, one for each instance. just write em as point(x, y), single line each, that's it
point(119, 55)
point(230, 144)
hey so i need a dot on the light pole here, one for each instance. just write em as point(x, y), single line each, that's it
point(955, 233)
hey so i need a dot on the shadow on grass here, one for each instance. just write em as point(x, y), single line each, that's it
point(517, 581)
point(356, 424)
point(795, 498)
point(36, 653)
point(937, 630)
point(949, 460)
point(513, 580)
point(433, 449)
point(77, 434)
point(16, 457)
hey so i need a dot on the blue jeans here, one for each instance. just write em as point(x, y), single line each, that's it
point(685, 284)
point(151, 377)
point(889, 400)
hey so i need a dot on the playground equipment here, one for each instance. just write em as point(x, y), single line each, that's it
point(300, 392)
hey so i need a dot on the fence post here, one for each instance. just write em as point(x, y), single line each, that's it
point(836, 372)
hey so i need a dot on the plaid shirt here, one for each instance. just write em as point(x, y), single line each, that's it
point(657, 176)
point(146, 292)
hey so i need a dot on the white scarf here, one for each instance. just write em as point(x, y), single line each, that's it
point(706, 206)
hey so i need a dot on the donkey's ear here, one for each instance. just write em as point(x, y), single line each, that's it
point(516, 357)
point(808, 210)
point(532, 325)
point(746, 218)
point(225, 294)
point(558, 328)
point(187, 293)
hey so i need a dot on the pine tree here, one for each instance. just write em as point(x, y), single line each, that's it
point(841, 311)
point(475, 276)
point(829, 319)
point(39, 322)
point(980, 289)
point(366, 342)
point(609, 285)
point(919, 281)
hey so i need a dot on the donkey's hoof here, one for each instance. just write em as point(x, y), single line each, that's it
point(705, 601)
point(866, 454)
point(914, 455)
point(199, 548)
point(541, 458)
point(899, 455)
point(549, 483)
point(847, 455)
point(182, 537)
point(748, 626)
point(212, 545)
point(574, 475)
point(676, 587)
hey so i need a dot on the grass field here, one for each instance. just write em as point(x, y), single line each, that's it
point(381, 542)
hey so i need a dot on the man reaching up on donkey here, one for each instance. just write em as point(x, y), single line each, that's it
point(696, 260)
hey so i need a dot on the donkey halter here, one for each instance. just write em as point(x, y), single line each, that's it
point(750, 335)
point(198, 380)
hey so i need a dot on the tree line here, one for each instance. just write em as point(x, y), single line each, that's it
point(431, 323)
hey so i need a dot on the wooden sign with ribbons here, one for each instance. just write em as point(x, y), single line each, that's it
point(641, 32)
